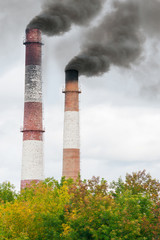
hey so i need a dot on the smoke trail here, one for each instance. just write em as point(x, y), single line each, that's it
point(116, 41)
point(119, 38)
point(57, 16)
point(150, 16)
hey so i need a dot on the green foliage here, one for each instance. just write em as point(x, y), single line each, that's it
point(85, 210)
point(139, 182)
point(7, 192)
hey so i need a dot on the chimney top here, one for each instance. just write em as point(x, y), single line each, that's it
point(71, 75)
point(33, 36)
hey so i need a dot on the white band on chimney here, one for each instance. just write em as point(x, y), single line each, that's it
point(71, 130)
point(32, 161)
point(33, 84)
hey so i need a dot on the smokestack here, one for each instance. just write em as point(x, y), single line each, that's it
point(32, 156)
point(71, 141)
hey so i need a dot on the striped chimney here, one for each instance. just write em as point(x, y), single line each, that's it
point(32, 156)
point(71, 138)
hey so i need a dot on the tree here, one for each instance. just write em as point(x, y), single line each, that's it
point(87, 210)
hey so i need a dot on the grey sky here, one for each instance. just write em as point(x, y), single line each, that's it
point(120, 111)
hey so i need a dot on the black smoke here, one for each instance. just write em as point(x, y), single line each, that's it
point(119, 39)
point(57, 16)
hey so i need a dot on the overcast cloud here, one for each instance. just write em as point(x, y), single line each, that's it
point(119, 111)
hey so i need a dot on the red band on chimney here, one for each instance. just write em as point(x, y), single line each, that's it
point(71, 101)
point(33, 135)
point(33, 47)
point(71, 168)
point(32, 116)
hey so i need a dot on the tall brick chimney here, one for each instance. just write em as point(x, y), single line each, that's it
point(32, 156)
point(71, 138)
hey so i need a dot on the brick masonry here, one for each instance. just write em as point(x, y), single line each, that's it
point(32, 155)
point(32, 116)
point(71, 164)
point(32, 160)
point(71, 130)
point(71, 136)
point(72, 101)
point(33, 84)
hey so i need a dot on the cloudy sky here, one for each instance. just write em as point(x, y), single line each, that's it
point(119, 111)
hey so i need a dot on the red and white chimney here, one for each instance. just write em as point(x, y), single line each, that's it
point(71, 137)
point(32, 156)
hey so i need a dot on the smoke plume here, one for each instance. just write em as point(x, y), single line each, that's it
point(57, 16)
point(118, 40)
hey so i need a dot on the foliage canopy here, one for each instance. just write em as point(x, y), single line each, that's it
point(86, 210)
